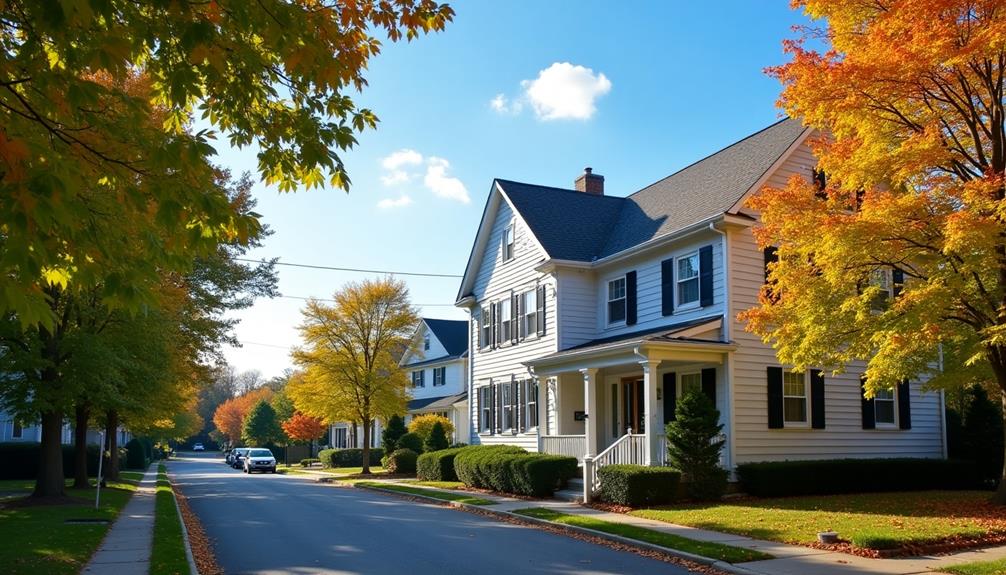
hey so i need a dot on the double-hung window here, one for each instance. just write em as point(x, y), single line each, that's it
point(881, 278)
point(883, 405)
point(508, 243)
point(418, 378)
point(688, 280)
point(616, 300)
point(439, 376)
point(529, 306)
point(794, 398)
point(690, 382)
point(506, 320)
point(506, 404)
point(530, 393)
point(485, 409)
point(487, 317)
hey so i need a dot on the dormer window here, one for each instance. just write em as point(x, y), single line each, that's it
point(508, 243)
point(616, 300)
point(688, 280)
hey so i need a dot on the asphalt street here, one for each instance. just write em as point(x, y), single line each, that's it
point(272, 524)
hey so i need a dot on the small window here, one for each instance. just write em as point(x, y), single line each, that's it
point(529, 305)
point(418, 378)
point(531, 402)
point(506, 320)
point(485, 409)
point(616, 300)
point(426, 342)
point(508, 243)
point(439, 376)
point(794, 398)
point(883, 405)
point(690, 382)
point(17, 431)
point(688, 279)
point(486, 328)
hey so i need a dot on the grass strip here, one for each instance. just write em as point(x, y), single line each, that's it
point(727, 553)
point(978, 568)
point(437, 484)
point(434, 493)
point(168, 555)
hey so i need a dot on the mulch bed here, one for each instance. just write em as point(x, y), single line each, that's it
point(944, 546)
point(202, 547)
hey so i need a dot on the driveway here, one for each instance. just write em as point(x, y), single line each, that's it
point(271, 524)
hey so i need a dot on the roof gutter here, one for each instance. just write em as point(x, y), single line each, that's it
point(631, 346)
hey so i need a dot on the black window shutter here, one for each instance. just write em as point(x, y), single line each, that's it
point(706, 276)
point(709, 383)
point(667, 287)
point(897, 281)
point(817, 399)
point(499, 407)
point(630, 298)
point(771, 254)
point(869, 415)
point(478, 328)
point(514, 330)
point(522, 404)
point(670, 396)
point(541, 310)
point(492, 325)
point(775, 398)
point(904, 405)
point(492, 406)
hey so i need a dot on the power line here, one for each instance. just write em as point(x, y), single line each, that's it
point(332, 300)
point(266, 345)
point(359, 270)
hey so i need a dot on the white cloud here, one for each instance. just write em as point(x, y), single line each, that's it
point(564, 91)
point(396, 165)
point(441, 184)
point(501, 105)
point(392, 203)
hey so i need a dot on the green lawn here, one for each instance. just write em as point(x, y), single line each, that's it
point(375, 469)
point(37, 539)
point(979, 568)
point(168, 555)
point(437, 484)
point(719, 551)
point(871, 520)
point(434, 493)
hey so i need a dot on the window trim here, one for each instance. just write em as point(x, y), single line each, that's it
point(442, 371)
point(806, 423)
point(678, 304)
point(506, 408)
point(421, 378)
point(608, 301)
point(530, 397)
point(877, 424)
point(511, 231)
point(527, 311)
point(486, 328)
point(506, 321)
point(485, 410)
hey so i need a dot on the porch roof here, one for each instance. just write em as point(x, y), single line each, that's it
point(436, 403)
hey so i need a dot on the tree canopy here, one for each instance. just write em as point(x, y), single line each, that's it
point(260, 426)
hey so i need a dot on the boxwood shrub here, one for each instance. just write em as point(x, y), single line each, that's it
point(468, 462)
point(136, 454)
point(830, 476)
point(412, 441)
point(510, 469)
point(351, 457)
point(638, 485)
point(437, 465)
point(20, 460)
point(402, 461)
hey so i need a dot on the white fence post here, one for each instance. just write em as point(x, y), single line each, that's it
point(588, 478)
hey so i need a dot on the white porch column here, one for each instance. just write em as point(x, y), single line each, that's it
point(651, 425)
point(592, 425)
point(542, 408)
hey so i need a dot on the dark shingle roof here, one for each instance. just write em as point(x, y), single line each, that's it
point(436, 403)
point(453, 334)
point(576, 226)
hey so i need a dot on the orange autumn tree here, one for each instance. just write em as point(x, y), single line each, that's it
point(902, 253)
point(230, 416)
point(302, 427)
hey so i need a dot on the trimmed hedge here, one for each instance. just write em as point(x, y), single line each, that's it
point(402, 461)
point(136, 454)
point(412, 441)
point(351, 457)
point(20, 460)
point(831, 476)
point(437, 465)
point(510, 469)
point(638, 485)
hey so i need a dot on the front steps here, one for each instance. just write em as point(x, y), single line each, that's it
point(572, 492)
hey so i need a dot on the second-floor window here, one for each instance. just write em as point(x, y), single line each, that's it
point(439, 376)
point(418, 378)
point(486, 332)
point(529, 308)
point(508, 243)
point(688, 279)
point(616, 300)
point(506, 320)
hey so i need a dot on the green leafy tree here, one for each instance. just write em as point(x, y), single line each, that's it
point(436, 440)
point(393, 431)
point(694, 442)
point(261, 427)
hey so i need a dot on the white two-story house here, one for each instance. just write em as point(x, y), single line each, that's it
point(591, 314)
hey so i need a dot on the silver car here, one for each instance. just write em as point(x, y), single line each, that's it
point(259, 460)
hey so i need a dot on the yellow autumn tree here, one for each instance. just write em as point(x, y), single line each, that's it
point(901, 250)
point(350, 355)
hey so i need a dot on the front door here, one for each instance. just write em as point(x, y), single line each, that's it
point(632, 405)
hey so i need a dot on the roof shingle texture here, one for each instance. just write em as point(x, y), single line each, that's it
point(453, 334)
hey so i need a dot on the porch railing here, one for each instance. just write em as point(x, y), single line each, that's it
point(628, 449)
point(568, 445)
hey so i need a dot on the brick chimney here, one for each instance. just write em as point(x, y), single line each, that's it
point(590, 183)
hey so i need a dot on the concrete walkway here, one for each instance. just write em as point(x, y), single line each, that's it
point(789, 559)
point(126, 548)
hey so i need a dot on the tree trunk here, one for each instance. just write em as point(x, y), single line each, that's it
point(1000, 495)
point(997, 359)
point(111, 471)
point(366, 448)
point(82, 413)
point(50, 482)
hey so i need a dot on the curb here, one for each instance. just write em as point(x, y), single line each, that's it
point(193, 569)
point(642, 545)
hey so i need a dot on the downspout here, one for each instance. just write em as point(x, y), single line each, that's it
point(728, 360)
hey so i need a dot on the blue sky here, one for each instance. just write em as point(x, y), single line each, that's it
point(529, 91)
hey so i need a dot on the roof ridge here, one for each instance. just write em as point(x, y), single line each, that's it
point(709, 156)
point(553, 188)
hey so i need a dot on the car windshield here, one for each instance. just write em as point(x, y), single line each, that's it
point(260, 453)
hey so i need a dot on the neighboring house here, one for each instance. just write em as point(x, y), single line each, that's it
point(438, 372)
point(591, 314)
point(13, 430)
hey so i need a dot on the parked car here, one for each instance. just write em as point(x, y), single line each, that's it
point(198, 447)
point(238, 456)
point(259, 460)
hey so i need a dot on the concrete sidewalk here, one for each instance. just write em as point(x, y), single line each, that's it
point(789, 559)
point(127, 545)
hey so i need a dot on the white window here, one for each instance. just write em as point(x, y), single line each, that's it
point(439, 376)
point(486, 327)
point(883, 406)
point(690, 382)
point(794, 398)
point(508, 243)
point(17, 431)
point(485, 409)
point(426, 342)
point(506, 320)
point(881, 278)
point(419, 378)
point(616, 300)
point(530, 393)
point(529, 306)
point(688, 279)
point(507, 407)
